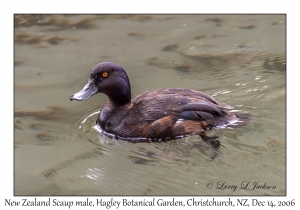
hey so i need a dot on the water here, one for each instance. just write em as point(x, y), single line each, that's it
point(239, 60)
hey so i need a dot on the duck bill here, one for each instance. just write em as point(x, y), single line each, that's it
point(88, 90)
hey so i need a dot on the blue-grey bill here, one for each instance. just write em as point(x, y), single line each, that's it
point(88, 90)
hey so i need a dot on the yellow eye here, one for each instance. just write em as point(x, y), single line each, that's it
point(104, 74)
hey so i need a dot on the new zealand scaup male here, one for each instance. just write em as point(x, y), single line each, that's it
point(154, 115)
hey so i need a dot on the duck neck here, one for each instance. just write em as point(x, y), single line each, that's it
point(120, 95)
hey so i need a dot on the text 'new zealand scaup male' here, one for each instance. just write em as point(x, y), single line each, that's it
point(161, 114)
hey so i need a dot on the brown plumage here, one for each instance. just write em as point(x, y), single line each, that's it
point(154, 115)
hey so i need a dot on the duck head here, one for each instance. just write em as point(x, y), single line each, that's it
point(107, 78)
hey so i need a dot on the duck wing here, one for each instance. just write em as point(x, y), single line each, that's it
point(176, 102)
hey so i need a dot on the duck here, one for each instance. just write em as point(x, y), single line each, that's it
point(155, 115)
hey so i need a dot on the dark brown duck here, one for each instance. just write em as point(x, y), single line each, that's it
point(154, 115)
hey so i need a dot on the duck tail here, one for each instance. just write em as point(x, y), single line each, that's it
point(242, 120)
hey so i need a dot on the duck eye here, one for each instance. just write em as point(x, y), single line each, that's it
point(104, 74)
